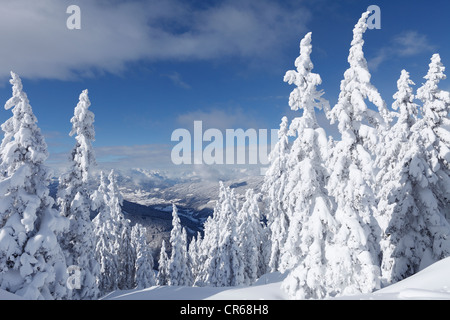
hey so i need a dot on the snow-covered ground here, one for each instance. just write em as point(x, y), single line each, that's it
point(430, 283)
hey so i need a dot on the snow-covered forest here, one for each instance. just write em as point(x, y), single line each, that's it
point(337, 216)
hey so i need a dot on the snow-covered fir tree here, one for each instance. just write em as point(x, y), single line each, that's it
point(230, 257)
point(436, 125)
point(32, 263)
point(355, 253)
point(273, 190)
point(74, 202)
point(144, 274)
point(163, 266)
point(194, 256)
point(250, 237)
point(207, 253)
point(434, 176)
point(309, 207)
point(222, 262)
point(106, 231)
point(179, 273)
point(397, 211)
point(125, 252)
point(114, 248)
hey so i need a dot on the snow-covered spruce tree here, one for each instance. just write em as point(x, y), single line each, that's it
point(73, 199)
point(309, 207)
point(209, 245)
point(207, 253)
point(433, 132)
point(126, 254)
point(223, 262)
point(436, 125)
point(194, 256)
point(179, 274)
point(273, 191)
point(32, 263)
point(144, 274)
point(106, 232)
point(398, 213)
point(163, 266)
point(230, 258)
point(250, 237)
point(355, 253)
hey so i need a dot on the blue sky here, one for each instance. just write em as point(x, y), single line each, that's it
point(154, 66)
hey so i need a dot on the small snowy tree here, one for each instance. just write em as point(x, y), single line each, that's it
point(32, 264)
point(106, 232)
point(74, 202)
point(114, 248)
point(230, 257)
point(397, 209)
point(222, 259)
point(250, 236)
point(207, 253)
point(436, 125)
point(126, 254)
point(431, 169)
point(194, 256)
point(144, 275)
point(179, 274)
point(163, 266)
point(273, 190)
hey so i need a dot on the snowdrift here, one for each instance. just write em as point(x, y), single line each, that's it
point(431, 283)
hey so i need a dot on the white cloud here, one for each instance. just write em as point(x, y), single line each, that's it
point(405, 44)
point(175, 77)
point(37, 44)
point(222, 119)
point(151, 156)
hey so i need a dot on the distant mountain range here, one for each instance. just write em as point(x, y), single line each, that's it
point(149, 194)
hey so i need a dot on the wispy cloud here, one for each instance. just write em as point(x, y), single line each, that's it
point(37, 44)
point(150, 156)
point(176, 79)
point(406, 44)
point(222, 119)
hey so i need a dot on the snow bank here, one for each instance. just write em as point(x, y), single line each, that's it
point(5, 295)
point(431, 283)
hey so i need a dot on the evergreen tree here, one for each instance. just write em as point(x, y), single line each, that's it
point(178, 267)
point(144, 275)
point(163, 266)
point(309, 209)
point(250, 235)
point(222, 260)
point(106, 230)
point(194, 257)
point(74, 202)
point(397, 209)
point(114, 248)
point(432, 131)
point(355, 254)
point(208, 256)
point(436, 126)
point(125, 251)
point(230, 257)
point(32, 264)
point(273, 190)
